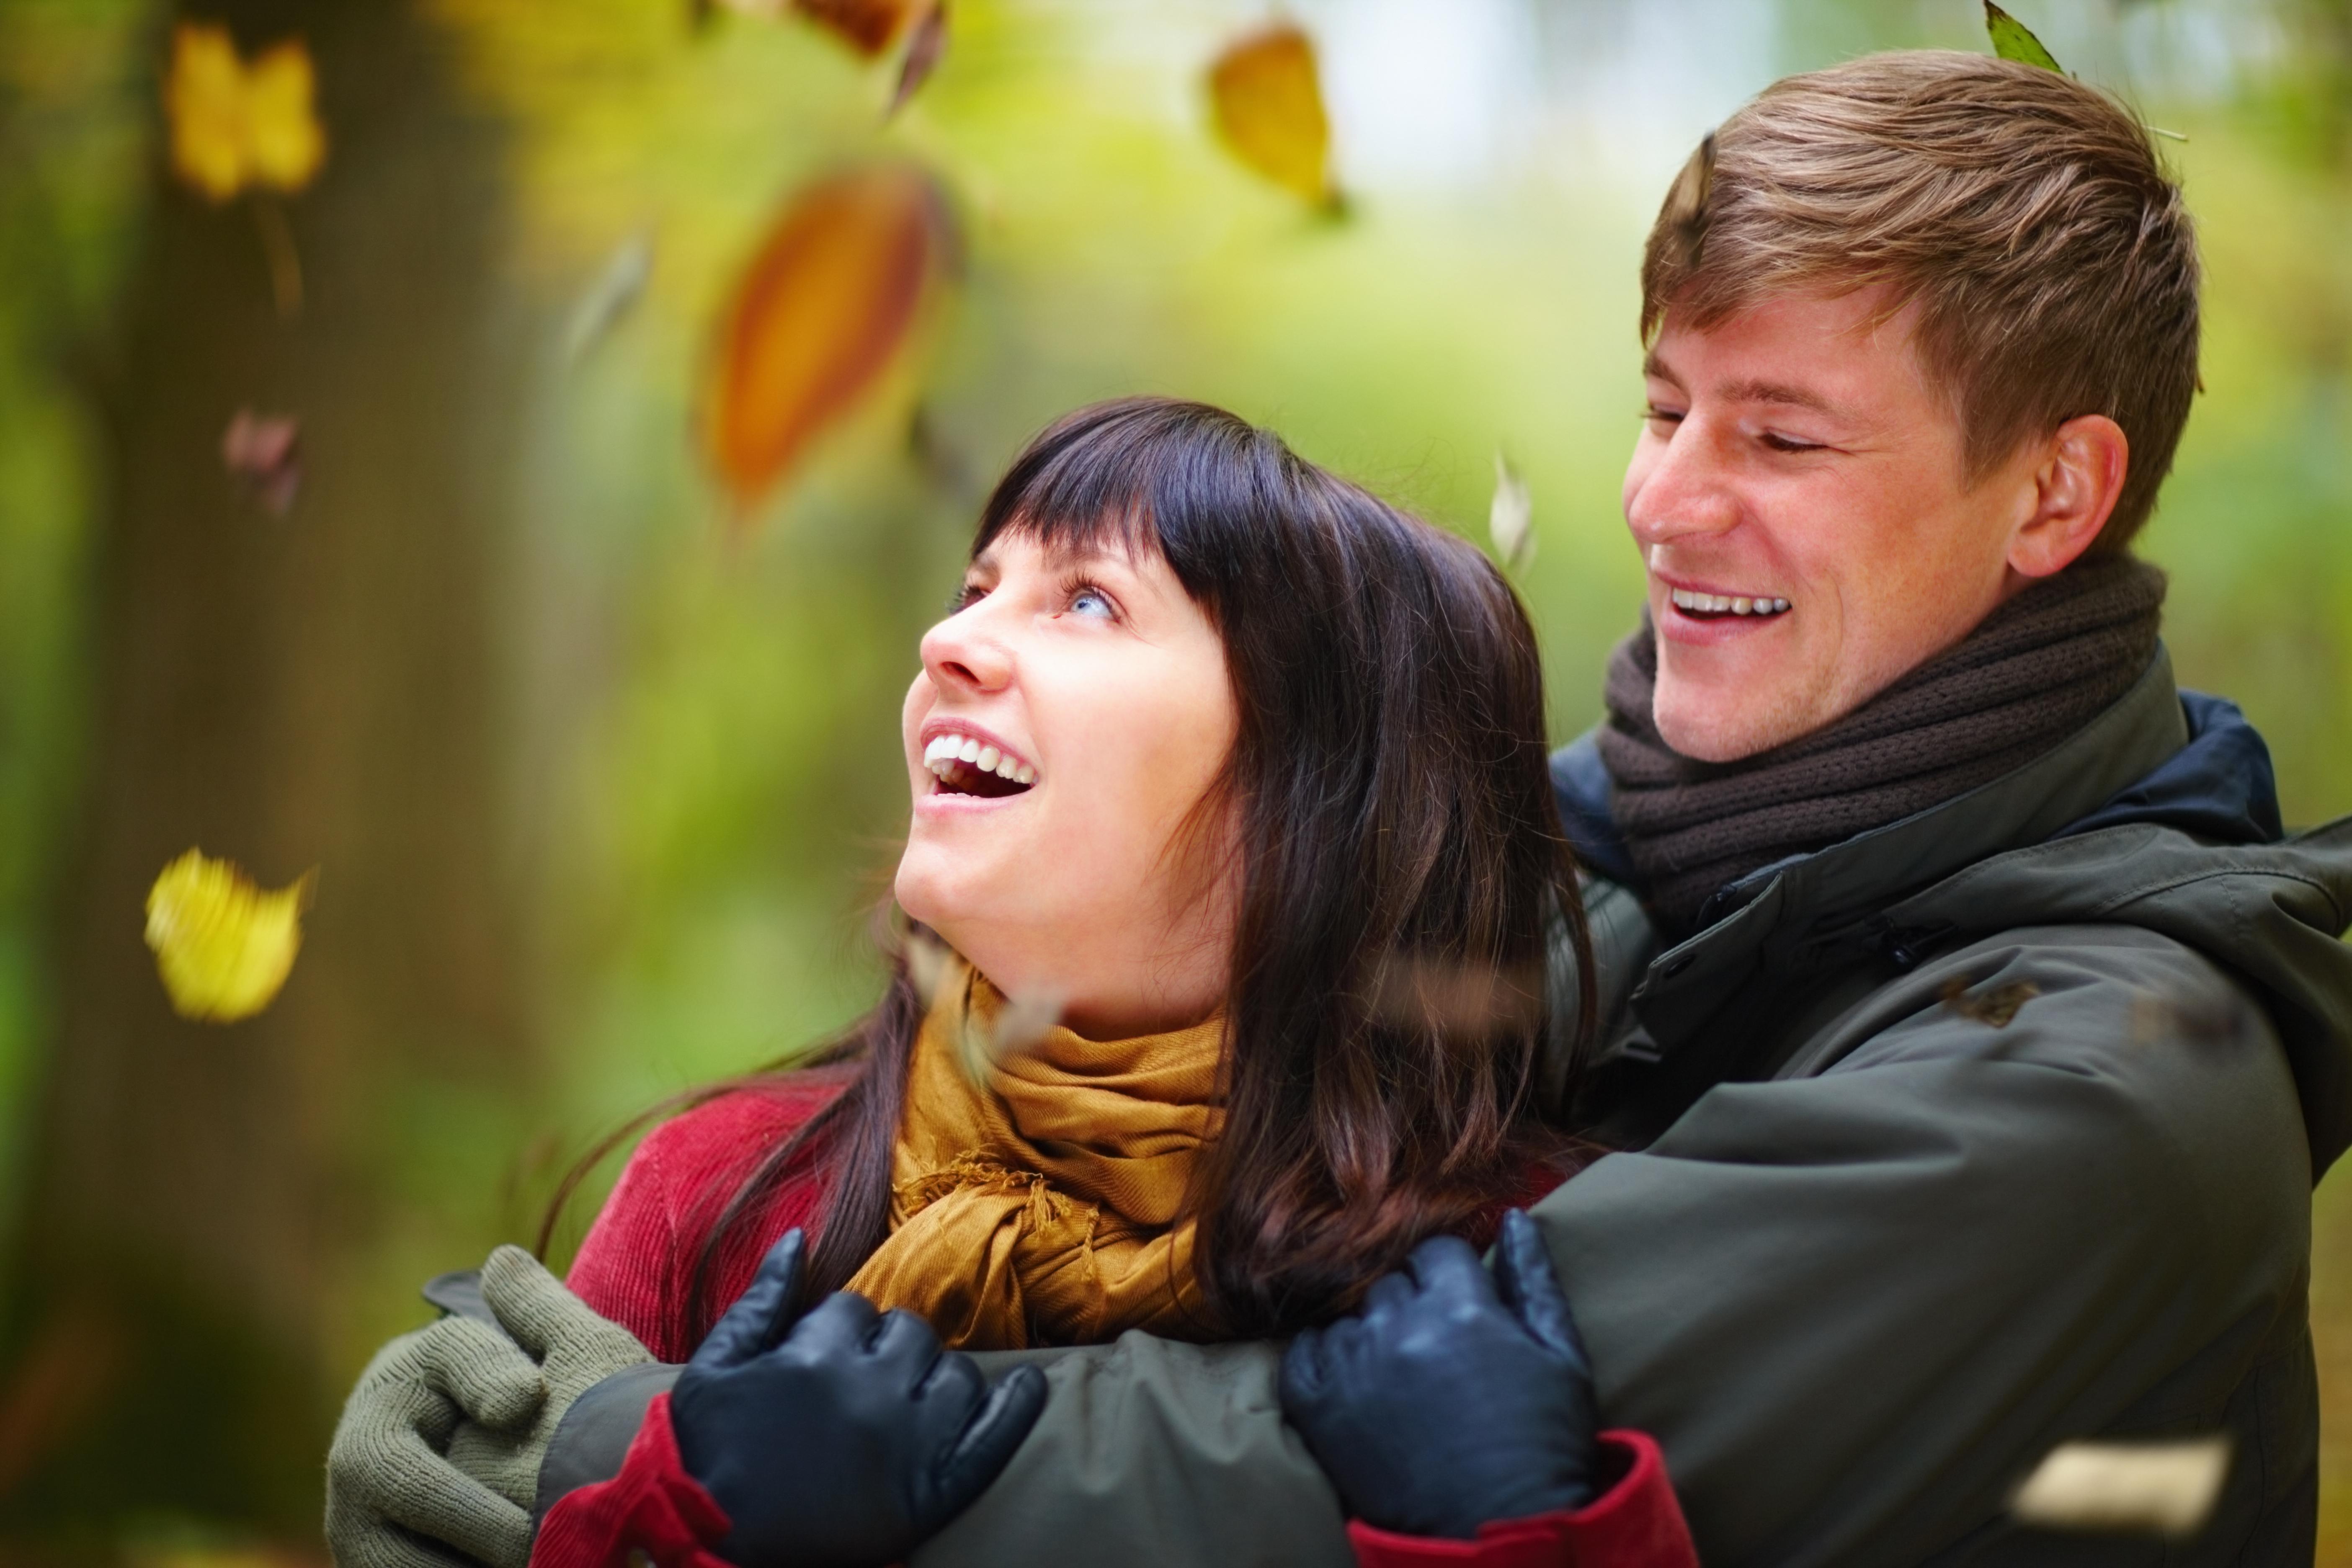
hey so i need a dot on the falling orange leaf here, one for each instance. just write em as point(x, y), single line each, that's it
point(1269, 109)
point(222, 945)
point(235, 125)
point(819, 315)
point(869, 27)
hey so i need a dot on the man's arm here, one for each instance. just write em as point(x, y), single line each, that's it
point(1853, 1307)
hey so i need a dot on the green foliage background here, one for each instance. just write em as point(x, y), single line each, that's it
point(698, 774)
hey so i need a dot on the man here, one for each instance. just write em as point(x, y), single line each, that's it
point(1974, 1035)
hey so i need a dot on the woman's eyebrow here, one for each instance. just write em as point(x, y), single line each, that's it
point(1064, 553)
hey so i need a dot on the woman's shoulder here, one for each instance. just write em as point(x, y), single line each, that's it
point(638, 1260)
point(728, 1133)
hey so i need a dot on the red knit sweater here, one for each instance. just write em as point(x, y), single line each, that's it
point(636, 1265)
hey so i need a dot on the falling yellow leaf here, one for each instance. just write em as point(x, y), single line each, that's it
point(820, 311)
point(1269, 109)
point(233, 124)
point(222, 945)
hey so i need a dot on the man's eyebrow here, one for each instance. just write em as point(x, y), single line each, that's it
point(1780, 391)
point(1656, 369)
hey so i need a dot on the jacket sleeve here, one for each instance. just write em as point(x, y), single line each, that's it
point(1635, 1524)
point(652, 1507)
point(1853, 1307)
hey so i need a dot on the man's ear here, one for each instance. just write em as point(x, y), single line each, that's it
point(2076, 487)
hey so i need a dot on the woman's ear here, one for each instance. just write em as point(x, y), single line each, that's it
point(2079, 481)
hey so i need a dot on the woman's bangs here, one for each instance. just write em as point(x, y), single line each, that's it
point(1118, 475)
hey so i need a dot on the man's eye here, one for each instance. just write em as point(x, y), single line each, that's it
point(1653, 415)
point(1780, 443)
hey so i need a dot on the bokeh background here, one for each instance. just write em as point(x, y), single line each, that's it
point(597, 762)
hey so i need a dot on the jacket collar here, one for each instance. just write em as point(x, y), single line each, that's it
point(1795, 915)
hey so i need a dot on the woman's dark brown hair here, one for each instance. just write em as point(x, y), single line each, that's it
point(1401, 864)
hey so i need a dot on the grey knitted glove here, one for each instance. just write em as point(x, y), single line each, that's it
point(436, 1457)
point(392, 1501)
point(575, 1350)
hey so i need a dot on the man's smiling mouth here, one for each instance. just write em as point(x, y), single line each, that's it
point(1714, 606)
point(966, 765)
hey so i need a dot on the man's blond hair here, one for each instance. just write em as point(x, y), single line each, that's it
point(2025, 214)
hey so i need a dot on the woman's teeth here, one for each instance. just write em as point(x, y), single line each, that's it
point(950, 756)
point(1723, 605)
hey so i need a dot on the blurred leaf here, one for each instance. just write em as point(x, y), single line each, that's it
point(2148, 1487)
point(821, 310)
point(923, 52)
point(265, 454)
point(617, 287)
point(1510, 517)
point(2013, 40)
point(235, 125)
point(1996, 1007)
point(866, 26)
point(1269, 109)
point(57, 1380)
point(222, 945)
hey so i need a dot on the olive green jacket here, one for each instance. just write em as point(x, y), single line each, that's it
point(1986, 1130)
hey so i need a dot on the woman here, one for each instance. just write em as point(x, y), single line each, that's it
point(1231, 870)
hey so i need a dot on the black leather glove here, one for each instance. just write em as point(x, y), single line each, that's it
point(849, 1440)
point(1452, 1399)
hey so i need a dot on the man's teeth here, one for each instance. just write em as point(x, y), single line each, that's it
point(1718, 603)
point(946, 751)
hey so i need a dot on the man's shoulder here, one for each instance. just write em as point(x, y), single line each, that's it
point(2149, 1054)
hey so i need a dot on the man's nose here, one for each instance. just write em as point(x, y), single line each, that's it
point(967, 653)
point(1684, 489)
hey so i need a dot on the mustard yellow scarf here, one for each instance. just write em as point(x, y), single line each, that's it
point(1038, 1205)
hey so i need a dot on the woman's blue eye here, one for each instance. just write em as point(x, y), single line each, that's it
point(1091, 602)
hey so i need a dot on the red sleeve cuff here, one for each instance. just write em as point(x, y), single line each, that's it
point(1636, 1523)
point(653, 1507)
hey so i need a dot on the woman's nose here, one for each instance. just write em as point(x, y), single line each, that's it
point(962, 653)
point(1683, 489)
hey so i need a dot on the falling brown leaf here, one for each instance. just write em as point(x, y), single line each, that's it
point(923, 52)
point(869, 27)
point(825, 305)
point(264, 453)
point(1269, 109)
point(1996, 1007)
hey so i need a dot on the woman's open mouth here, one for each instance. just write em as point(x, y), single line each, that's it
point(967, 764)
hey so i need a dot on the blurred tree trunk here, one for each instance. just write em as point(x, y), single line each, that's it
point(319, 689)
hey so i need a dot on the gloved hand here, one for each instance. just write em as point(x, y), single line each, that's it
point(575, 1350)
point(1452, 1399)
point(436, 1456)
point(847, 1441)
point(392, 1501)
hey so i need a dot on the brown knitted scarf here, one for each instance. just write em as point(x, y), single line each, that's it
point(2036, 671)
